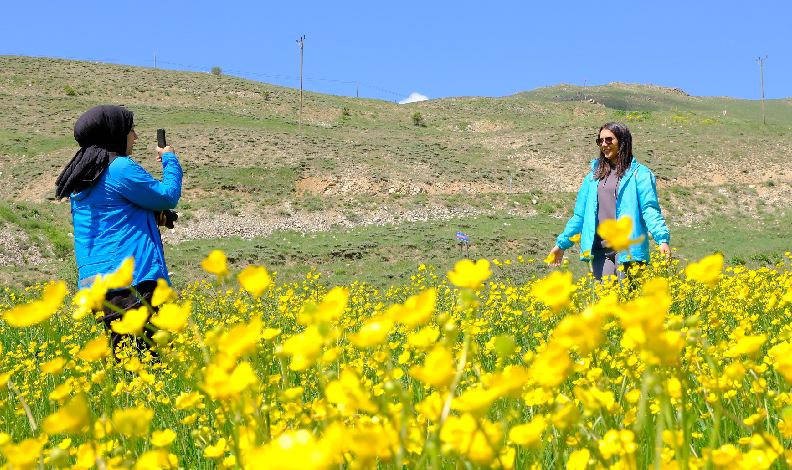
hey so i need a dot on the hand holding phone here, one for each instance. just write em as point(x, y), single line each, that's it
point(162, 145)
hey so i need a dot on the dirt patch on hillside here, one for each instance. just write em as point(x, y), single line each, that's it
point(16, 249)
point(484, 126)
point(331, 186)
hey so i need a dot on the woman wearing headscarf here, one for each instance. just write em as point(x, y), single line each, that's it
point(113, 204)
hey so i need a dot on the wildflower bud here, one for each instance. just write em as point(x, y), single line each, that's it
point(195, 434)
point(674, 323)
point(266, 408)
point(694, 333)
point(693, 321)
point(771, 394)
point(450, 329)
point(59, 457)
point(331, 375)
point(390, 387)
point(118, 451)
point(443, 317)
point(162, 337)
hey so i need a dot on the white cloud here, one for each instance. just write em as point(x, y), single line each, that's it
point(413, 98)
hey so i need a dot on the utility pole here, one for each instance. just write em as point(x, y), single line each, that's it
point(155, 59)
point(761, 72)
point(300, 42)
point(357, 89)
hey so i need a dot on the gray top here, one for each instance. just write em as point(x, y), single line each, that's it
point(606, 203)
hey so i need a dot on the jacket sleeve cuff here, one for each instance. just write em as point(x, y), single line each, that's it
point(664, 238)
point(564, 243)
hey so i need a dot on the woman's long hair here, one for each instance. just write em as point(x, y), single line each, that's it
point(624, 155)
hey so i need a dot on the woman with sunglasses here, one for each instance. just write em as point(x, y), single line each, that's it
point(617, 186)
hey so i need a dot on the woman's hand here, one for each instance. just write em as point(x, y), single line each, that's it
point(665, 250)
point(161, 150)
point(559, 256)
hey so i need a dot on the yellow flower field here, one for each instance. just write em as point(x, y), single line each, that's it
point(468, 369)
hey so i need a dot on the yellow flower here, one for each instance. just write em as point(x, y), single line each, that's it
point(255, 279)
point(123, 276)
point(305, 348)
point(241, 340)
point(38, 311)
point(186, 401)
point(554, 290)
point(291, 451)
point(438, 370)
point(73, 418)
point(578, 460)
point(469, 274)
point(132, 422)
point(552, 366)
point(95, 349)
point(4, 378)
point(475, 441)
point(583, 331)
point(172, 317)
point(162, 438)
point(163, 293)
point(347, 394)
point(154, 460)
point(24, 455)
point(217, 450)
point(90, 299)
point(215, 263)
point(86, 455)
point(221, 385)
point(616, 233)
point(782, 359)
point(707, 270)
point(132, 322)
point(330, 309)
point(475, 401)
point(617, 443)
point(375, 331)
point(416, 310)
point(54, 367)
point(530, 434)
point(575, 238)
point(749, 346)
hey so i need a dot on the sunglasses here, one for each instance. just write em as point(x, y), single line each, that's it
point(607, 140)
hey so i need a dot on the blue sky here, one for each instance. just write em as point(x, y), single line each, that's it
point(436, 49)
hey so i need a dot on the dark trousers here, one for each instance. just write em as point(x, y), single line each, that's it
point(126, 299)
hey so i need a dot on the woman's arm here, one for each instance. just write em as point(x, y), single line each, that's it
point(140, 188)
point(650, 210)
point(573, 227)
point(575, 224)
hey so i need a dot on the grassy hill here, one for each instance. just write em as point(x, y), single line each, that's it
point(362, 192)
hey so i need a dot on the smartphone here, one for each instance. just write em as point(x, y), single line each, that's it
point(161, 138)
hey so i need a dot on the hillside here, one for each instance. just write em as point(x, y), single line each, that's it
point(363, 163)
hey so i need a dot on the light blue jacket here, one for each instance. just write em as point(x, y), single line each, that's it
point(637, 199)
point(114, 219)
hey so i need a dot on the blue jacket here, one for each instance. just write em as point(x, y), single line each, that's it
point(114, 219)
point(637, 199)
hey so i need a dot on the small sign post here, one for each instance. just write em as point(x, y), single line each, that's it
point(463, 241)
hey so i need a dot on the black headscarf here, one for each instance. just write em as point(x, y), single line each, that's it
point(102, 134)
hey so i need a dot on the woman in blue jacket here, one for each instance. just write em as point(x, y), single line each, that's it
point(616, 186)
point(113, 204)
